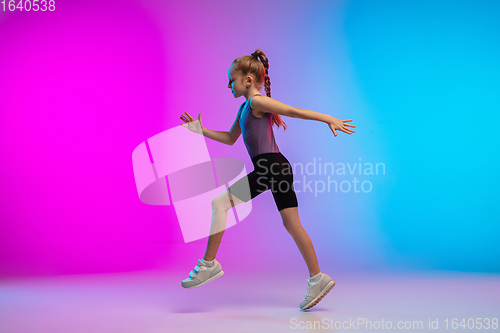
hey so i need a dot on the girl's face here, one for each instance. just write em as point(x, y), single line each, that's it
point(235, 82)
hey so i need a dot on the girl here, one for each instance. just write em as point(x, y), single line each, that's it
point(272, 170)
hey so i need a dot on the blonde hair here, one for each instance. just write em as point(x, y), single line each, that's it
point(248, 64)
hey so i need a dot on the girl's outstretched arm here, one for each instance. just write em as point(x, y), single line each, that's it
point(260, 103)
point(227, 138)
point(333, 123)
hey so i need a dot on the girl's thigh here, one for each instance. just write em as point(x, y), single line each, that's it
point(282, 189)
point(248, 187)
point(226, 200)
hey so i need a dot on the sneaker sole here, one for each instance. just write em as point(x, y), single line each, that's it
point(318, 298)
point(207, 280)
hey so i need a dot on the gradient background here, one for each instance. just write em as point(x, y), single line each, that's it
point(82, 86)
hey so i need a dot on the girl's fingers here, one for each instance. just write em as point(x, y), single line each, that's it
point(333, 129)
point(190, 116)
point(342, 128)
point(348, 130)
point(347, 120)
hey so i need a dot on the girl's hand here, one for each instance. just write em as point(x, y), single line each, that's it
point(337, 124)
point(192, 125)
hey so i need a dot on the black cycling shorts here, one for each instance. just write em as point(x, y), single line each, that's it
point(272, 171)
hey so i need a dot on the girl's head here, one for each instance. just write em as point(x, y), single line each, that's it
point(247, 73)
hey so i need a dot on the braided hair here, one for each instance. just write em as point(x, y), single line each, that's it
point(250, 64)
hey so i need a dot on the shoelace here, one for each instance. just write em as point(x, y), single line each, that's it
point(197, 268)
point(309, 284)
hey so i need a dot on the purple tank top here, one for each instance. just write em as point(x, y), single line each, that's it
point(257, 132)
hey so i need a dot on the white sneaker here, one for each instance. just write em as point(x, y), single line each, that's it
point(202, 274)
point(316, 291)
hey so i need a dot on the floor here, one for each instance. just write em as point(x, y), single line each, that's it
point(154, 301)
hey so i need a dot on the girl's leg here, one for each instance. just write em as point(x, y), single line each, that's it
point(220, 205)
point(292, 224)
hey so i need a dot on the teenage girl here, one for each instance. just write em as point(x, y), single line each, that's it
point(272, 170)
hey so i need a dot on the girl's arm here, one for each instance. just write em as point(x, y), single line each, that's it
point(261, 103)
point(310, 115)
point(222, 137)
point(228, 138)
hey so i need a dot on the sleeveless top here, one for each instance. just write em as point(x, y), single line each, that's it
point(257, 132)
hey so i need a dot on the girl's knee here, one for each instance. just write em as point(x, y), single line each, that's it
point(290, 218)
point(221, 202)
point(288, 223)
